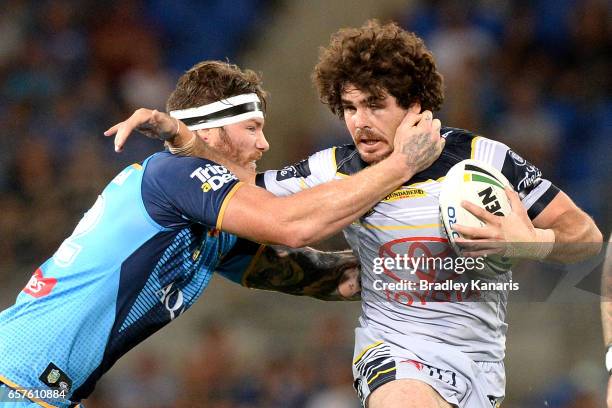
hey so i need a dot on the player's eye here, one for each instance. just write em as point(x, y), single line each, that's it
point(348, 108)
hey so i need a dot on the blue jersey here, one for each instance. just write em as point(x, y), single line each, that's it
point(138, 259)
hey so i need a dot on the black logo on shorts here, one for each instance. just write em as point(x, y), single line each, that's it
point(54, 377)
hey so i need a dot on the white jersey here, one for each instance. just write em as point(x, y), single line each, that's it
point(407, 222)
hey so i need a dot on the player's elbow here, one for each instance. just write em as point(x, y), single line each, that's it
point(296, 243)
point(297, 235)
point(296, 231)
point(597, 239)
point(299, 240)
point(589, 238)
point(592, 234)
point(597, 236)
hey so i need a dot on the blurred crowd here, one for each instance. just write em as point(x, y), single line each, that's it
point(534, 74)
point(215, 374)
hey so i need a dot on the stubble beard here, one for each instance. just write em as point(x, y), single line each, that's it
point(232, 153)
point(373, 158)
point(222, 153)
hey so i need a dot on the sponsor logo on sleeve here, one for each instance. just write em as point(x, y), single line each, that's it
point(213, 177)
point(516, 158)
point(286, 173)
point(301, 169)
point(532, 176)
point(38, 286)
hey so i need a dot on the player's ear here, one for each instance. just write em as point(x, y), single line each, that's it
point(204, 134)
point(415, 107)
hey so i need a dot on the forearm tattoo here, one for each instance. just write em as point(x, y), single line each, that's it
point(301, 272)
point(420, 151)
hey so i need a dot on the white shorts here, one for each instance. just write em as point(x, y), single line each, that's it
point(383, 357)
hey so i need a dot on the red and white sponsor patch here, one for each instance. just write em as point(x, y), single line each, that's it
point(38, 286)
point(418, 365)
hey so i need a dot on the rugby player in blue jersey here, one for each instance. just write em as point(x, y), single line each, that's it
point(145, 251)
point(425, 349)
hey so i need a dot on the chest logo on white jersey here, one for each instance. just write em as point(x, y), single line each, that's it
point(212, 177)
point(404, 193)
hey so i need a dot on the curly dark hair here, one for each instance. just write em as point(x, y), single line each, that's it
point(210, 81)
point(378, 59)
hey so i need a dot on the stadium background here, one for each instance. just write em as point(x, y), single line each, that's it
point(534, 74)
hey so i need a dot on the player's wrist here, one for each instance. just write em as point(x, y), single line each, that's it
point(545, 243)
point(162, 126)
point(185, 150)
point(398, 165)
point(172, 136)
point(541, 246)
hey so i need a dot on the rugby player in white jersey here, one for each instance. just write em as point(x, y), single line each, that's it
point(423, 348)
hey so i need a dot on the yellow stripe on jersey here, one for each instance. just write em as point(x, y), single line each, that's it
point(335, 164)
point(249, 268)
point(17, 387)
point(399, 227)
point(371, 346)
point(225, 202)
point(137, 166)
point(381, 372)
point(334, 161)
point(473, 149)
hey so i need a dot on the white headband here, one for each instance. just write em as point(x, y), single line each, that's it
point(224, 112)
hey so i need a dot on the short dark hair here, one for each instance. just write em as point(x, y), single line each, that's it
point(378, 58)
point(211, 81)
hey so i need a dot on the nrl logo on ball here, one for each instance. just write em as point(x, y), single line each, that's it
point(482, 185)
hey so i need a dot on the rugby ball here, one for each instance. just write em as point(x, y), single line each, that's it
point(481, 184)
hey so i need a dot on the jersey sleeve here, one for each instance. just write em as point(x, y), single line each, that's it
point(317, 169)
point(178, 190)
point(535, 191)
point(236, 265)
